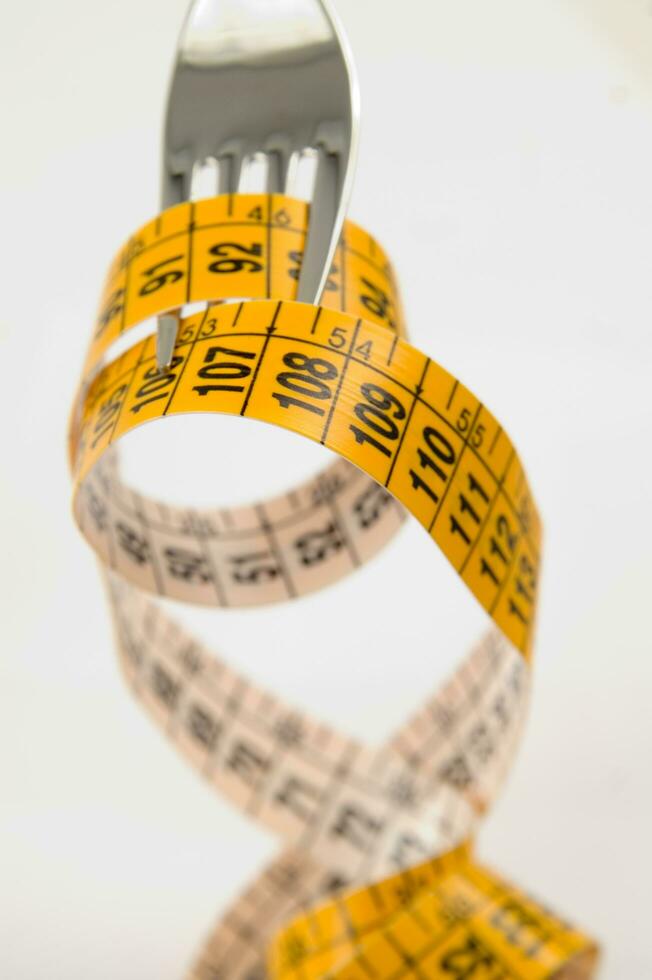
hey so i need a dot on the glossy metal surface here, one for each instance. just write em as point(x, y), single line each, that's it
point(270, 77)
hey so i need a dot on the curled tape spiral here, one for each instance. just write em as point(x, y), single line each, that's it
point(377, 877)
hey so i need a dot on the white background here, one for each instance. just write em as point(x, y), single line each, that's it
point(505, 161)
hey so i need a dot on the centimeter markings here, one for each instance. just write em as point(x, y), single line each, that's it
point(194, 530)
point(417, 395)
point(410, 959)
point(348, 926)
point(179, 258)
point(236, 703)
point(133, 250)
point(345, 380)
point(470, 711)
point(187, 523)
point(261, 357)
point(130, 372)
point(304, 739)
point(391, 897)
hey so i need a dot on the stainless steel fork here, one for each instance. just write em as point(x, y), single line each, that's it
point(270, 77)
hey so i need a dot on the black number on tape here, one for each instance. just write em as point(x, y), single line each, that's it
point(438, 455)
point(223, 370)
point(296, 257)
point(377, 301)
point(155, 381)
point(468, 520)
point(227, 262)
point(370, 505)
point(316, 546)
point(378, 414)
point(308, 378)
point(502, 546)
point(156, 280)
point(254, 568)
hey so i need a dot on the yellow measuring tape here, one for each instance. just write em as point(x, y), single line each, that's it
point(236, 245)
point(344, 375)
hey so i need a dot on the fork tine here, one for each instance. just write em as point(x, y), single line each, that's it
point(173, 192)
point(278, 164)
point(324, 215)
point(176, 188)
point(166, 338)
point(175, 183)
point(229, 170)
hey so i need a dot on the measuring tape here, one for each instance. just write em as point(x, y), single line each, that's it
point(448, 917)
point(247, 245)
point(409, 437)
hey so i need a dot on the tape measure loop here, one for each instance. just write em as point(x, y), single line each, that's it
point(374, 400)
point(408, 437)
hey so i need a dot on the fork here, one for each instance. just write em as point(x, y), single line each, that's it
point(270, 78)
